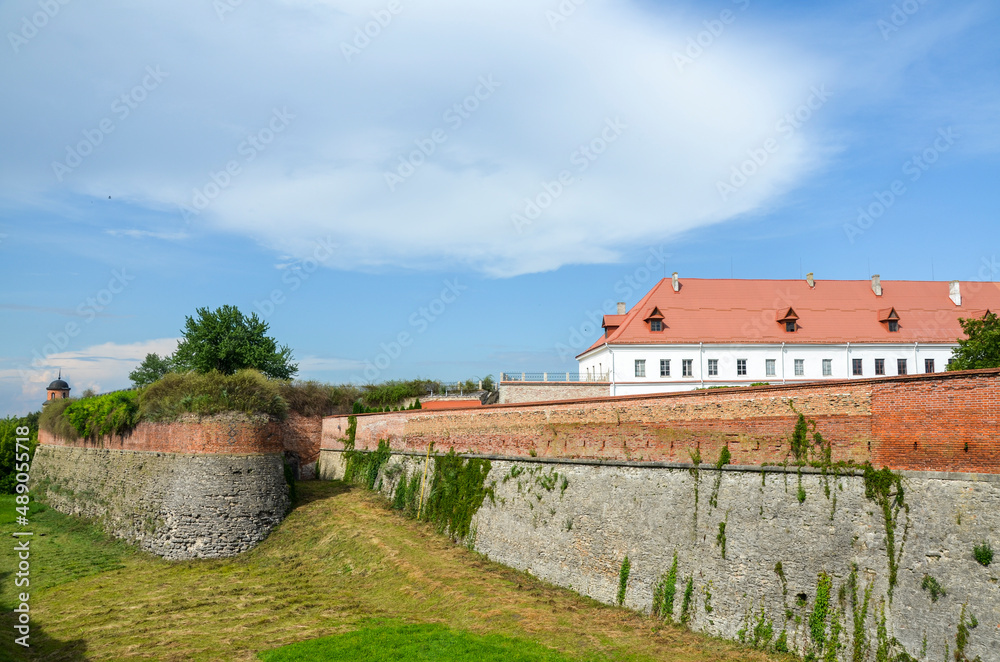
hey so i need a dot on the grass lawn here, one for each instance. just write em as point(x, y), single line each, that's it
point(342, 567)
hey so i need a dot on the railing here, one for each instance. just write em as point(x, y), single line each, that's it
point(553, 377)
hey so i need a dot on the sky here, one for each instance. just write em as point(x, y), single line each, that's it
point(450, 189)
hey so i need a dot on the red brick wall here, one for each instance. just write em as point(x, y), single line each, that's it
point(301, 435)
point(875, 420)
point(224, 434)
point(938, 424)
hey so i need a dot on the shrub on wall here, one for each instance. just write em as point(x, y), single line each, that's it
point(113, 413)
point(315, 399)
point(246, 391)
point(51, 419)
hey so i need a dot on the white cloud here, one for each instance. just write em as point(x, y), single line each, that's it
point(101, 367)
point(347, 124)
point(142, 234)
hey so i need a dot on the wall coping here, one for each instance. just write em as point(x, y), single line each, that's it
point(707, 392)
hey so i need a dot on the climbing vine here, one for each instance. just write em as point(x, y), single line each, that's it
point(724, 458)
point(885, 488)
point(696, 461)
point(962, 637)
point(686, 606)
point(720, 539)
point(363, 466)
point(664, 592)
point(820, 612)
point(457, 491)
point(859, 610)
point(623, 574)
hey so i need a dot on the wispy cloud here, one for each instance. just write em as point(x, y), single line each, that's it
point(144, 234)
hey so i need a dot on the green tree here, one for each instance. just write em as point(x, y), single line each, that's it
point(981, 347)
point(8, 447)
point(152, 368)
point(227, 341)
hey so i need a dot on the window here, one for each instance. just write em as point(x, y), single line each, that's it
point(800, 367)
point(879, 366)
point(893, 326)
point(664, 367)
point(713, 367)
point(741, 366)
point(928, 365)
point(770, 367)
point(950, 363)
point(687, 367)
point(827, 367)
point(790, 326)
point(900, 366)
point(655, 325)
point(856, 367)
point(640, 367)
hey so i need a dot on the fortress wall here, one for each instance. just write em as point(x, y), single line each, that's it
point(577, 533)
point(179, 490)
point(578, 485)
point(951, 417)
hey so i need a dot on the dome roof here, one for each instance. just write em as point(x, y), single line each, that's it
point(58, 385)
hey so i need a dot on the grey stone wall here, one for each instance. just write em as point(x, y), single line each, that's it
point(511, 392)
point(573, 523)
point(173, 505)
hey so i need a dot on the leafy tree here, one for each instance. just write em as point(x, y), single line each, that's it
point(152, 368)
point(226, 340)
point(8, 447)
point(981, 347)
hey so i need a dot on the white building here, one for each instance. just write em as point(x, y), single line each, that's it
point(698, 333)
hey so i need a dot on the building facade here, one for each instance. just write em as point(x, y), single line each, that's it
point(700, 333)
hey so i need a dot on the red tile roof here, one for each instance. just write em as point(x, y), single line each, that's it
point(451, 404)
point(834, 311)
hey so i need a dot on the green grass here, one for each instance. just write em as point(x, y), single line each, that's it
point(414, 643)
point(63, 549)
point(341, 559)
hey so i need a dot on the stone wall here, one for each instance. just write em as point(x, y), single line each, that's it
point(572, 523)
point(579, 485)
point(173, 505)
point(513, 392)
point(194, 488)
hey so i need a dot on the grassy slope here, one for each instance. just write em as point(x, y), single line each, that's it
point(338, 561)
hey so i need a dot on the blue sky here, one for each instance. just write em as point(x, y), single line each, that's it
point(482, 178)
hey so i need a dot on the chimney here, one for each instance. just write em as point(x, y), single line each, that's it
point(876, 285)
point(809, 280)
point(621, 308)
point(676, 282)
point(955, 293)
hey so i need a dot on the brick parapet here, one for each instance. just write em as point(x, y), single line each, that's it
point(951, 417)
point(224, 434)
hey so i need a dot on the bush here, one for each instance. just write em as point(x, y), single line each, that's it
point(51, 419)
point(113, 413)
point(315, 399)
point(394, 392)
point(983, 553)
point(247, 391)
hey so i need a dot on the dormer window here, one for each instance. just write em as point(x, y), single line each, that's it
point(654, 319)
point(789, 318)
point(890, 318)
